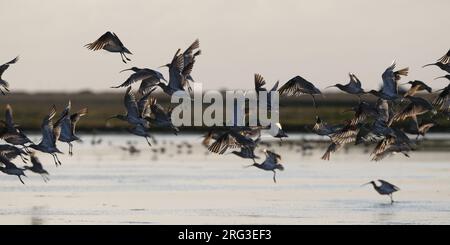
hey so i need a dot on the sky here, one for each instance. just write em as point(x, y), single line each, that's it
point(321, 40)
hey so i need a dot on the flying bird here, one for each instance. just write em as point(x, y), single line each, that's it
point(417, 86)
point(149, 78)
point(4, 85)
point(298, 86)
point(68, 124)
point(110, 42)
point(10, 168)
point(271, 163)
point(37, 167)
point(50, 135)
point(352, 87)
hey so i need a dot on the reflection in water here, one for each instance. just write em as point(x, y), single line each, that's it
point(36, 215)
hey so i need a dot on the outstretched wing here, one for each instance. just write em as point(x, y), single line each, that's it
point(48, 135)
point(6, 65)
point(130, 103)
point(107, 38)
point(445, 59)
point(74, 118)
point(259, 83)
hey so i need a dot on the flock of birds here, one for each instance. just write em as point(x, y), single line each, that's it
point(379, 123)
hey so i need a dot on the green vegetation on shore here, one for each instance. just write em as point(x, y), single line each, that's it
point(295, 113)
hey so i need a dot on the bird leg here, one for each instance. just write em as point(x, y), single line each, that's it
point(148, 141)
point(121, 56)
point(126, 57)
point(59, 162)
point(70, 149)
point(392, 200)
point(21, 179)
point(274, 175)
point(45, 178)
point(54, 159)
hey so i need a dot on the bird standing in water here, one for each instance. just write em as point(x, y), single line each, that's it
point(385, 188)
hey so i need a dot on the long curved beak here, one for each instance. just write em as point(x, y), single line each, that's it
point(125, 70)
point(162, 66)
point(368, 183)
point(330, 86)
point(439, 77)
point(432, 64)
point(251, 165)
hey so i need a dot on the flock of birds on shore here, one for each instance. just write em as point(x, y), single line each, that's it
point(379, 123)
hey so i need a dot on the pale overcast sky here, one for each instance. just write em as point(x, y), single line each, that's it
point(321, 40)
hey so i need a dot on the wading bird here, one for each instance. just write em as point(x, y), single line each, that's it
point(4, 85)
point(177, 74)
point(11, 152)
point(150, 78)
point(442, 101)
point(10, 133)
point(10, 168)
point(417, 106)
point(132, 115)
point(390, 86)
point(298, 86)
point(442, 62)
point(68, 124)
point(50, 135)
point(323, 129)
point(353, 87)
point(248, 152)
point(385, 188)
point(160, 117)
point(37, 167)
point(417, 86)
point(271, 163)
point(110, 42)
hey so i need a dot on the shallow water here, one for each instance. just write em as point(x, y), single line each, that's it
point(103, 184)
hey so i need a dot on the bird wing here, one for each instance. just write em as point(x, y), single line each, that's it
point(117, 40)
point(297, 86)
point(259, 83)
point(275, 87)
point(222, 143)
point(35, 161)
point(63, 124)
point(135, 77)
point(130, 103)
point(148, 84)
point(401, 72)
point(192, 47)
point(6, 65)
point(389, 82)
point(175, 71)
point(157, 109)
point(105, 39)
point(74, 118)
point(5, 160)
point(48, 135)
point(388, 184)
point(272, 157)
point(143, 104)
point(445, 59)
point(355, 80)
